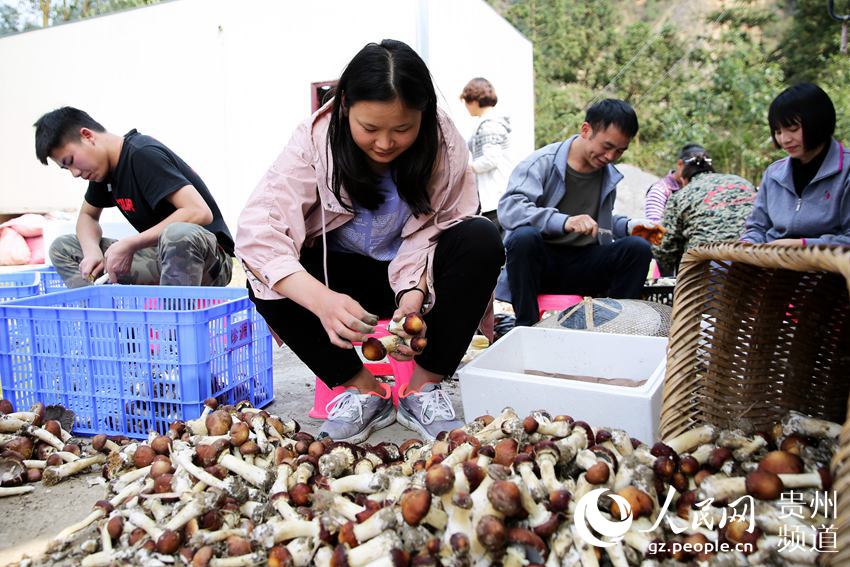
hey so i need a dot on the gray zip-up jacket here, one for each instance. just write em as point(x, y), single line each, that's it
point(821, 215)
point(536, 187)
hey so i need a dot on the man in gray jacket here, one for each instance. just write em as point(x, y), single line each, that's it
point(560, 232)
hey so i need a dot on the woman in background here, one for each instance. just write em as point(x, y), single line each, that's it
point(804, 198)
point(489, 144)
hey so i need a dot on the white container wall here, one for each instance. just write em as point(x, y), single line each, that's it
point(225, 82)
point(508, 374)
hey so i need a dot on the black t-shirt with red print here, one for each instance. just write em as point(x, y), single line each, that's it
point(147, 173)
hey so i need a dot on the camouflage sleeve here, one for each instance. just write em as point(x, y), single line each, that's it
point(669, 253)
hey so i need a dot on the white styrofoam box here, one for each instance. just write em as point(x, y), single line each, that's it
point(498, 378)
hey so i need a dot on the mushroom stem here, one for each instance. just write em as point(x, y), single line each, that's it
point(54, 475)
point(247, 560)
point(194, 508)
point(803, 480)
point(276, 531)
point(796, 422)
point(128, 478)
point(381, 520)
point(366, 483)
point(255, 475)
point(43, 435)
point(373, 549)
point(141, 520)
point(692, 438)
point(204, 537)
point(11, 425)
point(15, 490)
point(257, 424)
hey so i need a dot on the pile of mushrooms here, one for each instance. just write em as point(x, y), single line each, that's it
point(34, 449)
point(238, 486)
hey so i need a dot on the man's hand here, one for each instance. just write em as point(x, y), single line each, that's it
point(582, 224)
point(790, 242)
point(650, 231)
point(344, 320)
point(91, 267)
point(119, 259)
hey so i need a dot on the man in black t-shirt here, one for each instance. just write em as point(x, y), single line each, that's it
point(182, 237)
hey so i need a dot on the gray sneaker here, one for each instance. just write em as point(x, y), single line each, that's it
point(353, 416)
point(428, 411)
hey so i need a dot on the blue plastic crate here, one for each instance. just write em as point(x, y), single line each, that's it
point(16, 285)
point(50, 279)
point(130, 359)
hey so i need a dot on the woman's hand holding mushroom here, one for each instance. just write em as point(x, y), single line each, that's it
point(344, 319)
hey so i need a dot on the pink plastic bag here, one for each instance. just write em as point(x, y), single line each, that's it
point(13, 248)
point(36, 246)
point(27, 225)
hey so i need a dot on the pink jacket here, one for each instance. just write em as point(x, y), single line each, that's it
point(285, 211)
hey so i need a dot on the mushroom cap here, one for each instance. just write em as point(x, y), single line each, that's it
point(588, 430)
point(439, 479)
point(491, 532)
point(239, 433)
point(249, 448)
point(505, 497)
point(415, 504)
point(474, 474)
point(143, 456)
point(168, 542)
point(598, 473)
point(559, 500)
point(506, 449)
point(373, 349)
point(764, 485)
point(413, 323)
point(606, 454)
point(11, 471)
point(546, 447)
point(717, 457)
point(524, 537)
point(781, 462)
point(218, 422)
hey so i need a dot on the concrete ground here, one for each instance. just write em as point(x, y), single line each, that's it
point(28, 522)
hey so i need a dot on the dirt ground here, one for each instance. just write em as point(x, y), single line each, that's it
point(29, 521)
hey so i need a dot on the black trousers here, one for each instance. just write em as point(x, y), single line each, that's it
point(466, 264)
point(615, 270)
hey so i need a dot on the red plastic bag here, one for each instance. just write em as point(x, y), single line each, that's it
point(27, 225)
point(13, 248)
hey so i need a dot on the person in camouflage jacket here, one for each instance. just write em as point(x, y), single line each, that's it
point(711, 207)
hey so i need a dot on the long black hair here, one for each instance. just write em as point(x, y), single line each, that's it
point(384, 72)
point(809, 106)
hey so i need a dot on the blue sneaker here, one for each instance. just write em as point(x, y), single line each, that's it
point(428, 411)
point(353, 416)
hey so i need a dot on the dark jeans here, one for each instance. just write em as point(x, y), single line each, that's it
point(614, 270)
point(466, 264)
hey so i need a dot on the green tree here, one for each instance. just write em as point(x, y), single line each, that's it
point(834, 79)
point(32, 14)
point(811, 39)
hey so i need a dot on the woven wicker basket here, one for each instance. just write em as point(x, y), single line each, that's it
point(759, 330)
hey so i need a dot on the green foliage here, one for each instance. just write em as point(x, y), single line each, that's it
point(711, 82)
point(835, 79)
point(811, 39)
point(32, 14)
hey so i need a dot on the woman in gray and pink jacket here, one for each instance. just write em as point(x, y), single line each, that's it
point(804, 199)
point(370, 211)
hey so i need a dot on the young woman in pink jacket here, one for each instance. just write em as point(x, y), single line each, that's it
point(369, 212)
